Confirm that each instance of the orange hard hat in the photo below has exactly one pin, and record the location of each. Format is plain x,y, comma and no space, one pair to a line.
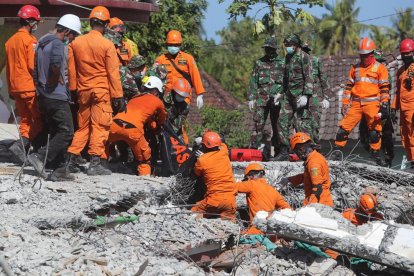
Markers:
299,138
101,13
115,21
253,167
366,46
211,139
182,87
368,203
174,37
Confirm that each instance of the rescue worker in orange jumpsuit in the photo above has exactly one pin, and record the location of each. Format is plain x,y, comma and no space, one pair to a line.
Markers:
124,52
94,74
213,166
404,99
316,177
20,56
145,109
366,94
259,194
181,65
366,211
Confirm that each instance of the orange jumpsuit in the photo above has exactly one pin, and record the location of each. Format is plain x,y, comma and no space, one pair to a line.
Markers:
359,218
220,198
129,127
94,73
260,197
186,63
124,53
365,89
20,53
316,180
404,101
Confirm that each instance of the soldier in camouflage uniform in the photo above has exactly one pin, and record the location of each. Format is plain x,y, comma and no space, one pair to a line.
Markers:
160,71
265,89
138,68
321,93
298,89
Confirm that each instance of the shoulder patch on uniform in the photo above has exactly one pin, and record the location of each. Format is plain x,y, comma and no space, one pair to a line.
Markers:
314,171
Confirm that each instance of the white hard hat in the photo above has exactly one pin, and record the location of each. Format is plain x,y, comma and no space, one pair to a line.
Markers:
71,22
154,82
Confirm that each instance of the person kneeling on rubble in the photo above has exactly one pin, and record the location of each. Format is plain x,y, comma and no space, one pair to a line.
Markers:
316,177
260,197
142,110
366,211
214,167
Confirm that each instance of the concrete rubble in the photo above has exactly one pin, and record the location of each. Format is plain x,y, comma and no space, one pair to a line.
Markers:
48,228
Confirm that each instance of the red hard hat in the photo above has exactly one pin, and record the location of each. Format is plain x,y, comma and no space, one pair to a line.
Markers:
366,46
407,45
29,11
211,139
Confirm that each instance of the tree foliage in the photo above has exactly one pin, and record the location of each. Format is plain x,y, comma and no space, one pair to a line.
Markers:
404,24
182,15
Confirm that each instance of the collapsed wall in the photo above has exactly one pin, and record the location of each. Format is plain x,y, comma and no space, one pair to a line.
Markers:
385,242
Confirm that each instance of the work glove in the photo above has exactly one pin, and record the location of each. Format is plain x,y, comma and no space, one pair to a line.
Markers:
251,105
325,104
119,105
200,101
384,109
276,99
198,153
302,101
393,115
198,140
345,108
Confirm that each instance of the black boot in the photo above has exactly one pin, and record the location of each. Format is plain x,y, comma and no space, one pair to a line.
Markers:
18,149
283,154
63,173
73,163
388,163
376,157
267,152
96,168
36,160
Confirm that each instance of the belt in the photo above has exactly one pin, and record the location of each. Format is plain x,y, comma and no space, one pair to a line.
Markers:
123,124
366,100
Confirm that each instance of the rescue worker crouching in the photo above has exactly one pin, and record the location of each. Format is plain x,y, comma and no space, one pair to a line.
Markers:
366,211
214,167
316,177
259,194
144,109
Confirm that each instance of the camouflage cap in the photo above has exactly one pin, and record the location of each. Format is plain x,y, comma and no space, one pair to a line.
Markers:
270,42
136,61
114,37
161,71
379,55
293,38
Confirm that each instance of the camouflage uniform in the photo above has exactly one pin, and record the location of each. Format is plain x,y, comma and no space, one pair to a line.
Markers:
160,71
177,113
298,81
265,83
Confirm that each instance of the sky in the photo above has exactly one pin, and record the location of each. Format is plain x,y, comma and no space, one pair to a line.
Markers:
216,17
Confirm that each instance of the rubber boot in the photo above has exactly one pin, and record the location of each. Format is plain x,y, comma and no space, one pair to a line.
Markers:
36,160
18,149
96,168
337,154
63,173
283,154
376,157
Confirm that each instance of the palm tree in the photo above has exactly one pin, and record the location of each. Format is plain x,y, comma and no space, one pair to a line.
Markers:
384,38
404,23
340,30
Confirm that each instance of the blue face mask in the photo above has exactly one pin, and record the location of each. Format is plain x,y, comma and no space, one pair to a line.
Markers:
173,50
290,50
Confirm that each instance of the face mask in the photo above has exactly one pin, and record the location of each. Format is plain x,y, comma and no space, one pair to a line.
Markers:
173,50
367,60
66,41
270,52
290,50
34,27
407,59
179,98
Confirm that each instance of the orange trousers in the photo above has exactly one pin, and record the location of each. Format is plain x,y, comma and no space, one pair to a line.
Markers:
225,207
31,121
354,116
407,132
325,199
94,121
135,139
